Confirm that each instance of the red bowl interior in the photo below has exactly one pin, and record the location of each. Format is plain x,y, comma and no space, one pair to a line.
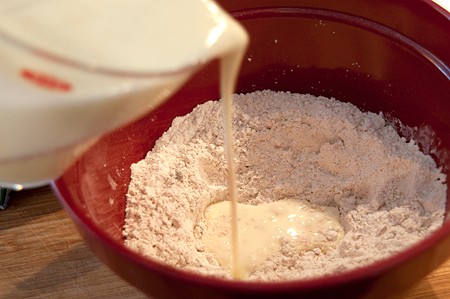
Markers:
389,56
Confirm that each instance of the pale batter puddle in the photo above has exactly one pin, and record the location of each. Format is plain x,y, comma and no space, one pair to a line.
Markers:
388,198
265,228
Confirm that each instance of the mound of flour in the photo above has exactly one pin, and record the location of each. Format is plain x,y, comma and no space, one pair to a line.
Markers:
389,194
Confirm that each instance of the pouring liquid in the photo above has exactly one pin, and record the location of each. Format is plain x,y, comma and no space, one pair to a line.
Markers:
229,70
73,70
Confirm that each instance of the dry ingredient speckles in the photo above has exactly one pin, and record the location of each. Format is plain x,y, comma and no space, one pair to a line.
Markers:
389,194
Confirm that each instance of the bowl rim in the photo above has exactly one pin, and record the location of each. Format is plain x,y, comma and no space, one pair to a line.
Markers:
357,274
362,273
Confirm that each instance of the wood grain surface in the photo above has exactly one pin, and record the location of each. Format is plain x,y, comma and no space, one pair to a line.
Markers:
42,256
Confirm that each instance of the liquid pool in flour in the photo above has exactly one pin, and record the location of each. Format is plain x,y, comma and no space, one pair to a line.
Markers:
308,151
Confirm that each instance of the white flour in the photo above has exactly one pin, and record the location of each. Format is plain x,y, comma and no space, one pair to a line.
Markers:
389,194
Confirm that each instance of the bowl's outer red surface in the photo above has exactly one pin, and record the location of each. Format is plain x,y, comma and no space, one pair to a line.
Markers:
389,56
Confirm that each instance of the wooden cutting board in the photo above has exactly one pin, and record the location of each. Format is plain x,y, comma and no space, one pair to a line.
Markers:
42,256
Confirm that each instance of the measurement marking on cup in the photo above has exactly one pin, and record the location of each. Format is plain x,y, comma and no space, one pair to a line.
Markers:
45,80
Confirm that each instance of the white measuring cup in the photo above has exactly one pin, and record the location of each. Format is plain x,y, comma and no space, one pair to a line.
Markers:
53,110
54,106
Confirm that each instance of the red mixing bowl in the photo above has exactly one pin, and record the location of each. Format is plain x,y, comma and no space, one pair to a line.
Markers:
386,55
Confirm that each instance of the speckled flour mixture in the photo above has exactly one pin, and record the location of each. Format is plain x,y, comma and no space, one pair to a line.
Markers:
389,194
